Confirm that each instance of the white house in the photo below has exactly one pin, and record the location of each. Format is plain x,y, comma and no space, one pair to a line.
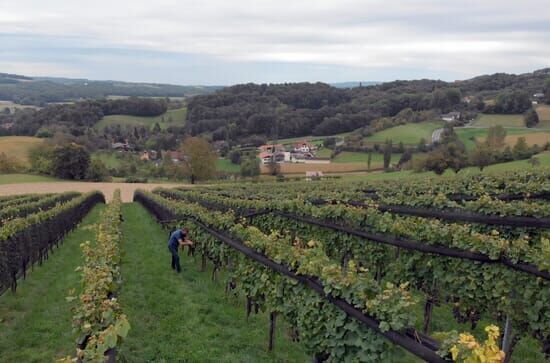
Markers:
451,116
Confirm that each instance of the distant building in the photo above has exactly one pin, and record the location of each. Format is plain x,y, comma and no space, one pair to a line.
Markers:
265,157
304,147
175,156
121,146
272,148
451,116
313,175
149,155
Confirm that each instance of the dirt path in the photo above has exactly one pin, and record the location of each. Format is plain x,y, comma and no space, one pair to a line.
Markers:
126,189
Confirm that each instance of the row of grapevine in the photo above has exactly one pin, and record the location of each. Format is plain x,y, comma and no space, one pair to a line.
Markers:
42,204
14,200
98,318
331,308
26,240
472,288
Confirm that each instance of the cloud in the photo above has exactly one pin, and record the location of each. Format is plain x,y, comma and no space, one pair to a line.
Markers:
452,39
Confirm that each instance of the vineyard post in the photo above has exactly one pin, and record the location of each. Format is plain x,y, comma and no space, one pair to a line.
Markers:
248,306
272,322
428,308
203,263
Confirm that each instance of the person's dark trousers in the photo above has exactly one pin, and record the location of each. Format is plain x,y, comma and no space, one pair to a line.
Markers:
175,258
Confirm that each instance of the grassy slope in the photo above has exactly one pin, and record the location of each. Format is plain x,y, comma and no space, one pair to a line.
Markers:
544,116
467,135
358,157
407,174
227,166
484,120
185,317
108,158
312,139
36,322
25,178
178,119
18,146
407,134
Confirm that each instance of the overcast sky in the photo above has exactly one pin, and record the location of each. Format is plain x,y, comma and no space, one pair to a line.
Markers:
225,42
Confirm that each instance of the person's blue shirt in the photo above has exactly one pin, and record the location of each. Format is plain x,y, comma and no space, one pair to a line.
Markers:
175,237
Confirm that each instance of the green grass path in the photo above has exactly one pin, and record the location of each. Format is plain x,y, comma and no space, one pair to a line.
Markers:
35,323
185,317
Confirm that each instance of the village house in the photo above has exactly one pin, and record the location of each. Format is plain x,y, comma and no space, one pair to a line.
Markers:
121,146
175,156
304,147
271,148
148,155
278,157
313,175
451,116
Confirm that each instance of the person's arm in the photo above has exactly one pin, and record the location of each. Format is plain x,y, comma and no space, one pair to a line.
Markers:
185,241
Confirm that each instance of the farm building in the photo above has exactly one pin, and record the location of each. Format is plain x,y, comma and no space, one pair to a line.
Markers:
451,116
272,148
304,147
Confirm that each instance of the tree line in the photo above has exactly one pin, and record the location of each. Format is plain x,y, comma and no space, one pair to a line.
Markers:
250,112
78,117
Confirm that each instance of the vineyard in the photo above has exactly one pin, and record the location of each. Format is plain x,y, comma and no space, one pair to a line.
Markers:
424,270
359,257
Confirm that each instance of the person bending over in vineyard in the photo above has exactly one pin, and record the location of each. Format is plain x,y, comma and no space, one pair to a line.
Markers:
178,238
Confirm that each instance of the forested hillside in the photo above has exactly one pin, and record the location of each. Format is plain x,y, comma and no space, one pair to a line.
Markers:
289,110
39,91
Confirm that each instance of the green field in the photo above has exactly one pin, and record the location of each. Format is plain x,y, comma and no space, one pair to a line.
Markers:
171,118
108,158
409,134
19,146
312,139
37,319
227,166
377,159
185,317
485,120
544,116
517,165
25,178
469,135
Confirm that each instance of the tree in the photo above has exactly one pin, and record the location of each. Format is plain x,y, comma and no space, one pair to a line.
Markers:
9,164
387,154
70,161
405,157
97,171
521,149
329,142
481,155
531,118
235,157
41,159
156,128
451,155
436,161
250,167
199,159
534,161
546,91
369,160
495,137
422,145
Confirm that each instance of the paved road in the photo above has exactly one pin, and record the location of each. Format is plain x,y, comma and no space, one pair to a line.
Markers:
126,189
436,135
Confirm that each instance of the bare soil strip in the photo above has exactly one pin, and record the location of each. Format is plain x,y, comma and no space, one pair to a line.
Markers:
126,189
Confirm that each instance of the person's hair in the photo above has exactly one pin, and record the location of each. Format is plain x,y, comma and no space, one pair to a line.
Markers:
185,229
